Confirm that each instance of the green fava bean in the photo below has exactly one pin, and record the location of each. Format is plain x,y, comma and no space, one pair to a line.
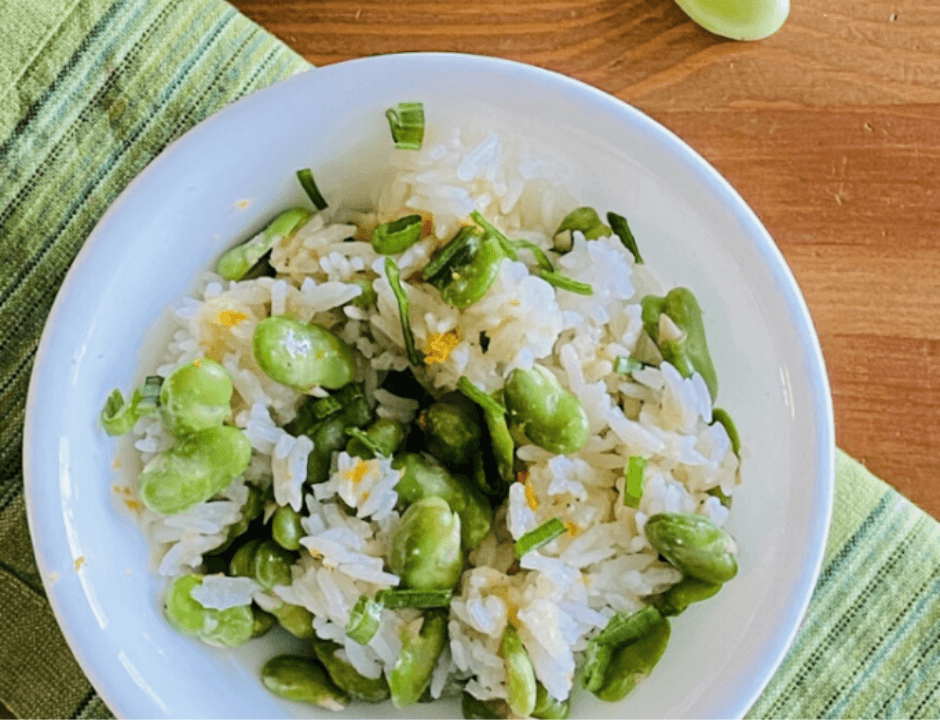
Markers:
547,414
694,545
547,707
293,677
452,431
419,653
196,468
422,478
347,678
425,551
271,565
182,611
238,261
385,435
328,436
242,562
286,529
465,269
297,620
689,353
230,627
631,663
685,592
520,675
195,397
302,355
474,709
263,622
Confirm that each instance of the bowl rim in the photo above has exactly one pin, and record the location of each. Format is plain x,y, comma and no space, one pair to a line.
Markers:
824,462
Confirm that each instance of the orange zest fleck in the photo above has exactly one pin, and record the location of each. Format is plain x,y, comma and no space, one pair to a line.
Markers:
79,563
358,472
573,529
231,318
530,497
133,505
439,346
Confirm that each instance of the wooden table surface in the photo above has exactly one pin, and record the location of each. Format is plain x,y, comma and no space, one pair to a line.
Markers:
829,129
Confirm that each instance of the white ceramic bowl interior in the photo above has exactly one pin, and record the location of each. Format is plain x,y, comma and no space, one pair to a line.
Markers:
176,217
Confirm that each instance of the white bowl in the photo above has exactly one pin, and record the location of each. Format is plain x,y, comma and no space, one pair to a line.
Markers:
174,219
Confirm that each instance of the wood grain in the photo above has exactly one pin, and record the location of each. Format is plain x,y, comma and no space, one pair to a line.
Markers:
829,129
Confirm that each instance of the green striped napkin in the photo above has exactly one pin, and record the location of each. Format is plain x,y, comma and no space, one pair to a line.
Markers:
90,92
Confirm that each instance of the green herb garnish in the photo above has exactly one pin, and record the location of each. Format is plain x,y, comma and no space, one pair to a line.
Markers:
309,185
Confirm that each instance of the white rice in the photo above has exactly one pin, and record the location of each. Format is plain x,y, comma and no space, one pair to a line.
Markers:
567,590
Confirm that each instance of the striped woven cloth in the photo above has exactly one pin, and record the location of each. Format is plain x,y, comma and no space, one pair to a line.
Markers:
90,92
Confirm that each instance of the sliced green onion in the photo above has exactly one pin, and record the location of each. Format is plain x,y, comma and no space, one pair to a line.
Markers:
119,416
407,125
587,221
479,397
363,437
309,185
625,365
633,487
622,230
398,235
149,394
720,494
394,599
364,620
541,257
451,254
542,535
504,242
721,416
563,282
404,307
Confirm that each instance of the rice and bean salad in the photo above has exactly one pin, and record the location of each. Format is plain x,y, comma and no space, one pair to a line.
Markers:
461,441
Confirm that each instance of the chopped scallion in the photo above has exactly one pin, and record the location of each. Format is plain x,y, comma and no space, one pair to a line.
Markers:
394,599
633,486
404,308
451,254
150,394
407,125
364,620
542,535
398,235
504,242
479,397
625,365
721,416
541,257
309,185
362,436
622,230
586,221
563,282
119,416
